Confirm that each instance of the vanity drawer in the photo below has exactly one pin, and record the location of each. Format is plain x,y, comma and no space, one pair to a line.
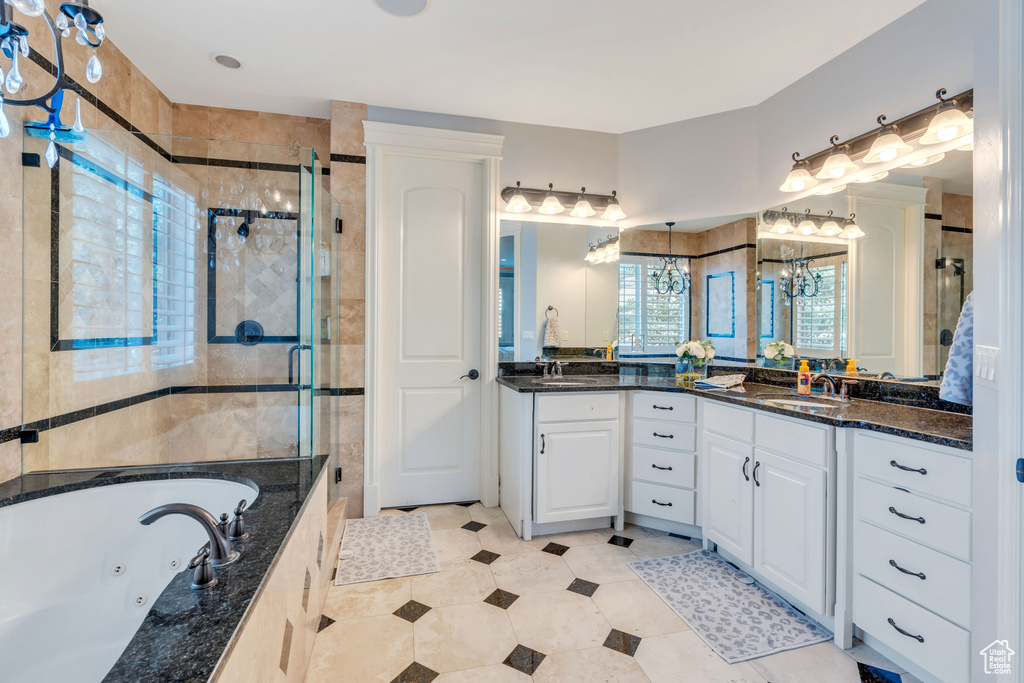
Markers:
945,528
945,650
735,423
945,588
665,467
945,476
672,435
665,406
677,505
583,406
795,440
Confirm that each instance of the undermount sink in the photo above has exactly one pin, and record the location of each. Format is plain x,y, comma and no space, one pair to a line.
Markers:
567,381
802,404
803,401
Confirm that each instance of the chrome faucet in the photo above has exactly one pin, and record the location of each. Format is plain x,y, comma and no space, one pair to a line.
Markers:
220,545
557,372
829,386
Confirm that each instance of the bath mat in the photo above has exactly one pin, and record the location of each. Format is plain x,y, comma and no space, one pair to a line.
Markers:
386,547
739,621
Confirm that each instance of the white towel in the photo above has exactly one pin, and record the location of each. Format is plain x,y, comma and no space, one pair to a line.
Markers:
552,335
957,380
720,382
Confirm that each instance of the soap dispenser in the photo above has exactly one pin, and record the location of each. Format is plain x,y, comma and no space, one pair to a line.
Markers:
803,382
851,368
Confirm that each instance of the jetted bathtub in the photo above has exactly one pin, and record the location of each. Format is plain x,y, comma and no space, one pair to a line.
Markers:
78,573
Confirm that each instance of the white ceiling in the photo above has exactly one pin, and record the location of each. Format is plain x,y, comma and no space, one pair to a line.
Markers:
602,65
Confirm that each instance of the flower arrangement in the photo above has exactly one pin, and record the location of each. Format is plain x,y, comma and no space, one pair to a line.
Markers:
779,353
692,361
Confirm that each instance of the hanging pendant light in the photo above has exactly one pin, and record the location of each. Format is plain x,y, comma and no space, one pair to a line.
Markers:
888,145
613,212
800,177
830,228
873,178
551,205
583,209
851,231
518,203
838,162
807,227
670,278
833,190
949,123
927,161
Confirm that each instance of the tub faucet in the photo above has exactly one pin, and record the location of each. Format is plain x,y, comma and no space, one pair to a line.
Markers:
220,545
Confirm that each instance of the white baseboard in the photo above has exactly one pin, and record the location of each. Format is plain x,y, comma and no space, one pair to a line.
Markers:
371,501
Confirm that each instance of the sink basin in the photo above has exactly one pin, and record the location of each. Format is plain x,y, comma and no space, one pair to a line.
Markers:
567,381
803,404
796,399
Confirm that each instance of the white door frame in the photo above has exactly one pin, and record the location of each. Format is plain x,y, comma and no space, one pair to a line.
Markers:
383,140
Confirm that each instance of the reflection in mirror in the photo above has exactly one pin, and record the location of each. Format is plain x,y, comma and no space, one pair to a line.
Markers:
889,299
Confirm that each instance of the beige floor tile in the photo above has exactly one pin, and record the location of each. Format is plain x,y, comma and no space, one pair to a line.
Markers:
634,531
683,658
457,583
821,662
501,539
558,622
445,516
487,515
601,563
662,546
369,599
632,607
531,573
498,673
463,637
455,545
575,538
358,650
391,512
596,665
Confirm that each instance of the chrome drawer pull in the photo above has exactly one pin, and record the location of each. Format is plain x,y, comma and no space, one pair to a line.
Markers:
666,505
657,407
906,571
900,514
664,436
661,468
892,623
907,469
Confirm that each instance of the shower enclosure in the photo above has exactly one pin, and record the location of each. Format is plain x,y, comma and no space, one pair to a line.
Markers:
955,265
177,302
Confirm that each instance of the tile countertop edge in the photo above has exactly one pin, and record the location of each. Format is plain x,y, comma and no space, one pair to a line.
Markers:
628,383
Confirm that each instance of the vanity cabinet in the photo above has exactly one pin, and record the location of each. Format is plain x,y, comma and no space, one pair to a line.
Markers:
576,470
767,484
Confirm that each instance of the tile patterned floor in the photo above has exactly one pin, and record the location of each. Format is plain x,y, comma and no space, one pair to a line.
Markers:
557,609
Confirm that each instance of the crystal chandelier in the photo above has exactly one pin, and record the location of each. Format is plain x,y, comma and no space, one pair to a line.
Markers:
797,280
670,278
14,44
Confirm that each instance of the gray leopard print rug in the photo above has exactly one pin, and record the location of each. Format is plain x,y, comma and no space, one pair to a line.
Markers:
386,547
738,621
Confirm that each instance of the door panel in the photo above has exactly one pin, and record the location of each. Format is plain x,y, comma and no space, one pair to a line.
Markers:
729,521
577,471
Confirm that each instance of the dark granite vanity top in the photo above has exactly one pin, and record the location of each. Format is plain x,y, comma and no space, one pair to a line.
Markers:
921,424
187,632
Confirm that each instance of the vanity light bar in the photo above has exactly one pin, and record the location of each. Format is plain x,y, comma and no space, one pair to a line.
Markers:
782,222
518,198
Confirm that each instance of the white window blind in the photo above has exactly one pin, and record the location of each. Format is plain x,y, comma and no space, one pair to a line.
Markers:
818,327
649,322
174,277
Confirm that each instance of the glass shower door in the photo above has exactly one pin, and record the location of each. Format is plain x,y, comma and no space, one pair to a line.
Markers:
309,172
955,281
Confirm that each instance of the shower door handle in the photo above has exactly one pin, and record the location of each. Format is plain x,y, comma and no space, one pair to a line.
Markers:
291,360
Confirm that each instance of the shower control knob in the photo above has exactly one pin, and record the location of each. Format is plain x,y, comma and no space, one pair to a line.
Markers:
236,530
203,577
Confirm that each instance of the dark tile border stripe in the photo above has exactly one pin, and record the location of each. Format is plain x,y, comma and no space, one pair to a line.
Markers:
348,159
933,216
950,228
694,256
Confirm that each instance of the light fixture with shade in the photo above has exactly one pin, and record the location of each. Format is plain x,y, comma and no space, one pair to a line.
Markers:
966,148
838,162
949,123
550,206
833,190
782,226
873,178
518,203
613,212
799,177
851,230
807,227
829,228
888,145
926,161
582,209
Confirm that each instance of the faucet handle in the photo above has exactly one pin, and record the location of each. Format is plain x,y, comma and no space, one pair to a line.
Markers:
202,577
844,390
236,530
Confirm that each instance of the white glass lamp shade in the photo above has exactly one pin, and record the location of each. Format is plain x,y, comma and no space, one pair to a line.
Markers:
833,190
799,179
887,147
591,256
551,205
518,203
837,165
583,209
852,231
969,147
927,161
782,226
949,123
807,227
613,212
830,229
873,178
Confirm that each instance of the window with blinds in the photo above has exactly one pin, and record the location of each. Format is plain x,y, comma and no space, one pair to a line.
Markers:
174,277
819,324
649,322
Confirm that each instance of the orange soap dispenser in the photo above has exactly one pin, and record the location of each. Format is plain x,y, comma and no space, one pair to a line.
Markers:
803,382
851,368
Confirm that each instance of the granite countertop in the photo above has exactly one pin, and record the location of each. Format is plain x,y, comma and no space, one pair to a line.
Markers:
921,424
187,632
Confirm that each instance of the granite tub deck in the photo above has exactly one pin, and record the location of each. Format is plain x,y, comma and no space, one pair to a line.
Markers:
187,633
922,424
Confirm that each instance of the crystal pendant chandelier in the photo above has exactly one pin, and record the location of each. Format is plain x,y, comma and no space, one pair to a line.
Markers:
14,44
797,279
671,277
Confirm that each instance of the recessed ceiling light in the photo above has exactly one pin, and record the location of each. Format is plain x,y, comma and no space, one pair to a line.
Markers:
226,60
403,8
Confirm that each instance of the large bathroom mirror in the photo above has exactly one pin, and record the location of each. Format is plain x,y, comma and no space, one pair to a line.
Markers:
886,293
556,297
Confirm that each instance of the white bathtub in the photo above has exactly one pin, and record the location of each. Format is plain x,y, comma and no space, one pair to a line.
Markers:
65,615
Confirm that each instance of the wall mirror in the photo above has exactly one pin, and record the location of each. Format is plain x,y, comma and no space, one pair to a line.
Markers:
884,288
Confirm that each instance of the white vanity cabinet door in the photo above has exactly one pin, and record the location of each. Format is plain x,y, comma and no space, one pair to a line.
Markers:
789,520
576,470
727,489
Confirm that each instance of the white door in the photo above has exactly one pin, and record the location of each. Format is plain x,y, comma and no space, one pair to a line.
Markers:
432,228
577,468
789,527
728,467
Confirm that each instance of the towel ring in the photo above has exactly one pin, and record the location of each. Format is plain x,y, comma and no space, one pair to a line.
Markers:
551,308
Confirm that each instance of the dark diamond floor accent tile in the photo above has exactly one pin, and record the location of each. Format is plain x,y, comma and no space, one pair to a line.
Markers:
583,587
325,621
872,674
473,526
502,599
411,611
416,673
685,538
623,642
405,509
468,503
485,556
524,659
556,549
621,541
